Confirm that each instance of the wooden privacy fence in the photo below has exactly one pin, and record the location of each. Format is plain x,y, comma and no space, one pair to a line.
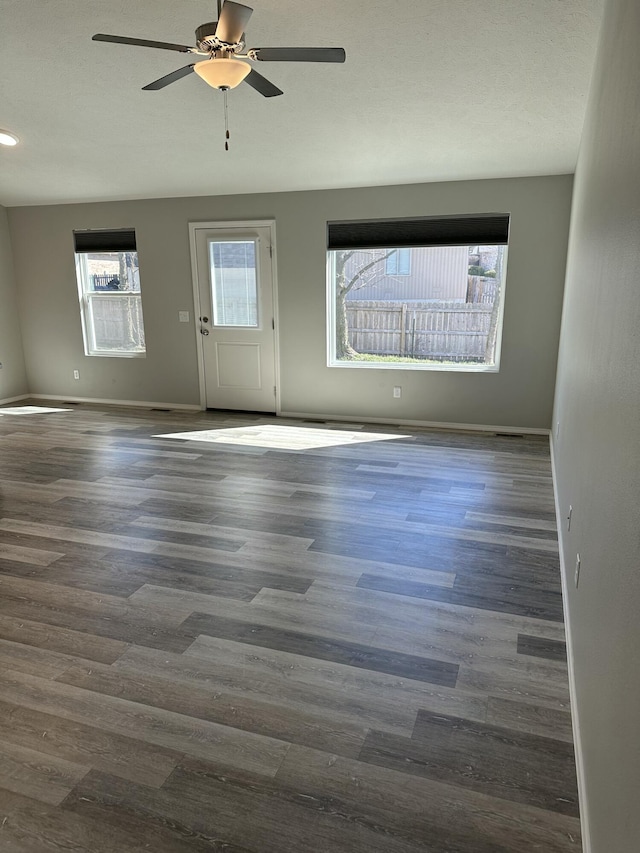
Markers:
481,289
452,331
117,321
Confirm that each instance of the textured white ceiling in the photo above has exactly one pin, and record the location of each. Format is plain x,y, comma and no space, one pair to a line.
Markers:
431,90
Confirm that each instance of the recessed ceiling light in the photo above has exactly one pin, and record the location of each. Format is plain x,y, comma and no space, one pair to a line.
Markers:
7,138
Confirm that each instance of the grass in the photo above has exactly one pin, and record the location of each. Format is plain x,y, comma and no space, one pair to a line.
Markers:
387,359
393,359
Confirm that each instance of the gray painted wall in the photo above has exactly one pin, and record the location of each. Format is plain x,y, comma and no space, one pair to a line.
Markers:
13,379
598,451
521,394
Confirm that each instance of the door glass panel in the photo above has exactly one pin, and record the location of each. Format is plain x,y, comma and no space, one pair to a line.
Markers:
234,286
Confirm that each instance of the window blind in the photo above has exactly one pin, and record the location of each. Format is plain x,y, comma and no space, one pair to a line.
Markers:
119,240
491,229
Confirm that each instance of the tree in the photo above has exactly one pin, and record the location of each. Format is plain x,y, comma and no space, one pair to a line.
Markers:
359,276
128,263
495,311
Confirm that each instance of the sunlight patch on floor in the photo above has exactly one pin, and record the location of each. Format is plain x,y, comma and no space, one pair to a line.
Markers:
281,437
30,410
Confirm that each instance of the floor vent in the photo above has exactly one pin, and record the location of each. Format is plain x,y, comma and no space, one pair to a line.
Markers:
160,410
509,435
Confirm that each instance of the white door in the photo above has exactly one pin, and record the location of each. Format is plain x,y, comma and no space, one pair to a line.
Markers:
236,320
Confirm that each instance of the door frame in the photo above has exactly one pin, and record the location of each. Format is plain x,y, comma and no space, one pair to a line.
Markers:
194,227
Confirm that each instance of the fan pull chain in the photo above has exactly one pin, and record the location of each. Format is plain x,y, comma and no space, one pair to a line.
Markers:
226,122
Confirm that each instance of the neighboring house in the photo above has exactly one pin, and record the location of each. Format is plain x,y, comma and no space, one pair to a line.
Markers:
438,273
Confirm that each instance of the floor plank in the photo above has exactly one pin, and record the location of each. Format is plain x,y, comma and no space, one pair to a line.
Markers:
541,648
509,765
37,774
167,729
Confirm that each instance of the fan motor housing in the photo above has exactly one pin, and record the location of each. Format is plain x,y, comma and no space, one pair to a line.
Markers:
207,41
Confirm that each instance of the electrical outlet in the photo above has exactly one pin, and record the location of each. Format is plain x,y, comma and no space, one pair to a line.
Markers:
577,570
76,374
397,391
569,518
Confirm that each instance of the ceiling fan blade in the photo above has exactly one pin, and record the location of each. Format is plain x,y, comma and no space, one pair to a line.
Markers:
298,54
163,45
233,19
262,85
161,82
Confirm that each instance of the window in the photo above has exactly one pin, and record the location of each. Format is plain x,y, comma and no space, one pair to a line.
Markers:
399,262
109,290
417,293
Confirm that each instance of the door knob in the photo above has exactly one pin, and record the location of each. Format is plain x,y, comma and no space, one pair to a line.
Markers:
204,332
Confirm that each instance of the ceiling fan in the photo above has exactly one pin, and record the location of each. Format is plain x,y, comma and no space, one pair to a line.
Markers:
222,41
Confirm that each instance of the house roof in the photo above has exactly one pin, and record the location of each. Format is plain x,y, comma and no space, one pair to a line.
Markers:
430,91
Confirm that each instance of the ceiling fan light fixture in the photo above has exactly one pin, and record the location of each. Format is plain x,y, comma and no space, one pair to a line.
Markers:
7,138
222,72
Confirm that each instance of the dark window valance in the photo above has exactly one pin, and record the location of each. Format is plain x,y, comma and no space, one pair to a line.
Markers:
119,240
491,229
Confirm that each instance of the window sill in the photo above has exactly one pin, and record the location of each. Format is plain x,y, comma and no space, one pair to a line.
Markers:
440,368
116,354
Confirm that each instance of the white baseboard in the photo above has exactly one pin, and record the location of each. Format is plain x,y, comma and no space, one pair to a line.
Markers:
194,407
575,715
134,404
509,430
17,399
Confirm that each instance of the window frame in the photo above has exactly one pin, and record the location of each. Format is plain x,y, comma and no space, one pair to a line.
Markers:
443,367
86,297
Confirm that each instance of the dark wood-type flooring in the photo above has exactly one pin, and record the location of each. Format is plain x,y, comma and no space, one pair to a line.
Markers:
278,636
